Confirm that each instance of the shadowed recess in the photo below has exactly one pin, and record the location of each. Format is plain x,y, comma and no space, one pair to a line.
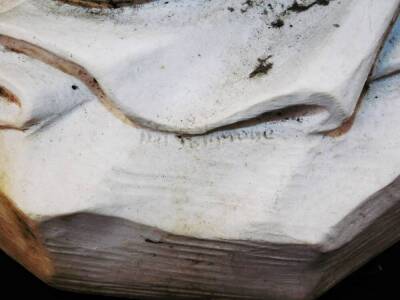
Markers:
9,96
105,3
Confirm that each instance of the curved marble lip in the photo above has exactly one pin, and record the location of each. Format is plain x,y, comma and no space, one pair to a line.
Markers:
195,67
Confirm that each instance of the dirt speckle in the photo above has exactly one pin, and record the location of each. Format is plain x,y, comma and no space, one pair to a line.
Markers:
263,67
278,23
246,5
296,7
20,238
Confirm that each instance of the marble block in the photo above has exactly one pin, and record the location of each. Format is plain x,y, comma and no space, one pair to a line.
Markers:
199,149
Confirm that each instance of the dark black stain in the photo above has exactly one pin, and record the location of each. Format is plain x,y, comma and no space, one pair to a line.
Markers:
107,3
246,5
263,67
296,7
152,242
278,23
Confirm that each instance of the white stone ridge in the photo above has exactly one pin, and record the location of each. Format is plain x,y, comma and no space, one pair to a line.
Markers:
202,55
388,62
269,182
42,93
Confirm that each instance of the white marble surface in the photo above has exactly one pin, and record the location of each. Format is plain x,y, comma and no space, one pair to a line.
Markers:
202,54
43,93
268,182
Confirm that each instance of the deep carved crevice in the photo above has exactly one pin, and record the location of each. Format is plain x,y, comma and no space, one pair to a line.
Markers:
66,66
9,96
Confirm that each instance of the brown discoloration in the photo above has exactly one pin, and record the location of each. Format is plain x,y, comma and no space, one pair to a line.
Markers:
344,128
20,239
9,96
105,3
347,124
66,66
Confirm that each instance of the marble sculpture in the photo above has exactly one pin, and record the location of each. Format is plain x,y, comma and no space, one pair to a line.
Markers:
194,149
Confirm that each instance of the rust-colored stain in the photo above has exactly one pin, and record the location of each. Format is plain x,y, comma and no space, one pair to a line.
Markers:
348,124
68,67
9,96
20,239
343,129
